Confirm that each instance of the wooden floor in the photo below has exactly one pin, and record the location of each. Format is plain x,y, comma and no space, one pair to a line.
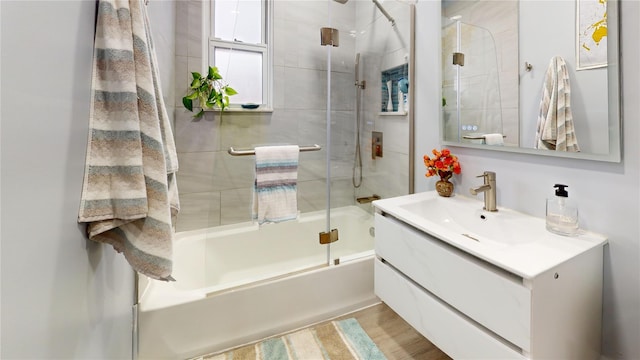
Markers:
394,336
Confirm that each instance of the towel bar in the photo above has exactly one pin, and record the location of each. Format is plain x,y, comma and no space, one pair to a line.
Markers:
234,152
477,137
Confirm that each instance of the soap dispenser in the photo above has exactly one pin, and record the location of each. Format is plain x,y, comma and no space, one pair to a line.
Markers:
562,216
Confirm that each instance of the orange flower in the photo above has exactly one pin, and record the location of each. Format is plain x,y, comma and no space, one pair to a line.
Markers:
443,164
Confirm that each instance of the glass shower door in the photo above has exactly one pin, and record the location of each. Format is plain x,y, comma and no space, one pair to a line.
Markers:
373,44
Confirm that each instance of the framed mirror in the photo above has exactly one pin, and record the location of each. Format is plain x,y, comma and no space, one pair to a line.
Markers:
550,88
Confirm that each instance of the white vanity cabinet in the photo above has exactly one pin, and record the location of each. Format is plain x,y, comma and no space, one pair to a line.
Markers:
472,307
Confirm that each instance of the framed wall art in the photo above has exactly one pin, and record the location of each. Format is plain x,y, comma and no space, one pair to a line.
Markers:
591,39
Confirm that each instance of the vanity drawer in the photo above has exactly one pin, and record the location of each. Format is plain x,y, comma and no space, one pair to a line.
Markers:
448,330
488,295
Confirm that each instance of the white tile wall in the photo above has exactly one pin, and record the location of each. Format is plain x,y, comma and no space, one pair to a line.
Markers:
198,210
196,135
216,188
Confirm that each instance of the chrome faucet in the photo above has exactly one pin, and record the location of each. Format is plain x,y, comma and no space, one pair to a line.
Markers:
489,190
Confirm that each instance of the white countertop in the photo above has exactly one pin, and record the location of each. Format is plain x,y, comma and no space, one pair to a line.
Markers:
527,259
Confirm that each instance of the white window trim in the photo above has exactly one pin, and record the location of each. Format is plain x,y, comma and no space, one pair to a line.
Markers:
266,48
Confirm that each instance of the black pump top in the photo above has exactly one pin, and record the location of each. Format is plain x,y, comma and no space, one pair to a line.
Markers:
560,191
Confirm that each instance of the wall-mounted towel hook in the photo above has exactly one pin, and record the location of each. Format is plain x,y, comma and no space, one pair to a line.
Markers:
527,67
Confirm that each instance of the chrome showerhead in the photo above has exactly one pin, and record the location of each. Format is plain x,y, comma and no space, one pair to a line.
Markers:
341,1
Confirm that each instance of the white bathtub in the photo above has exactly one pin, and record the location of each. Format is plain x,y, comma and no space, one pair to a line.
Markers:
237,284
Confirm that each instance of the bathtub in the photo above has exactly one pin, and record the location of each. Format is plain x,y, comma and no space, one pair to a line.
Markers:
240,283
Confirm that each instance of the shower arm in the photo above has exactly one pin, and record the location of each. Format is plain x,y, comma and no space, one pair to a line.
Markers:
384,12
379,6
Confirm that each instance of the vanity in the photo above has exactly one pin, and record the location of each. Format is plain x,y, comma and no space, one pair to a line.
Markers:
492,285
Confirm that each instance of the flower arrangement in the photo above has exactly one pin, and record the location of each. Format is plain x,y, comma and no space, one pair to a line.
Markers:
443,164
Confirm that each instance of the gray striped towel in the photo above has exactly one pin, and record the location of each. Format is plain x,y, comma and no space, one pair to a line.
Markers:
129,196
275,188
555,129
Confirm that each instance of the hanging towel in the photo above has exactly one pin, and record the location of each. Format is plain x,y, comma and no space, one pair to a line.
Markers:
555,123
129,195
275,187
493,139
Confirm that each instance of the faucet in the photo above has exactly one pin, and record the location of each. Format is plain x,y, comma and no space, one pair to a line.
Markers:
489,190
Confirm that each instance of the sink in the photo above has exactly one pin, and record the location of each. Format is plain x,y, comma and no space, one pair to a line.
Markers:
463,216
466,217
511,240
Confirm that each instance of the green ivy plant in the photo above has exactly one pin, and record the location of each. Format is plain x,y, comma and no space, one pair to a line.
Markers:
210,91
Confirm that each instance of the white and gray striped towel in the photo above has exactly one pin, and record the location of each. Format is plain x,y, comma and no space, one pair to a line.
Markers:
129,196
555,129
275,187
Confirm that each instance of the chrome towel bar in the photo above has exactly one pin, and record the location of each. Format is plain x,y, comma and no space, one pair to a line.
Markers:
477,137
234,152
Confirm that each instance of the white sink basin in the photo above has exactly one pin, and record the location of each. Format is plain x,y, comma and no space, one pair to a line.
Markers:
514,241
466,217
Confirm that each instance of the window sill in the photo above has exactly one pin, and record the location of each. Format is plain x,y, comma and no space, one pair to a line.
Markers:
264,110
393,113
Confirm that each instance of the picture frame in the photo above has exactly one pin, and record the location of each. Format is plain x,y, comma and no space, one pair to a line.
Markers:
591,34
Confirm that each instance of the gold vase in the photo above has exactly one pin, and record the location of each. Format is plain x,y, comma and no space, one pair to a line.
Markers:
444,187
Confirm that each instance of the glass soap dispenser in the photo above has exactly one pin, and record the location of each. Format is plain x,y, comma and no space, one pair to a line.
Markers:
562,216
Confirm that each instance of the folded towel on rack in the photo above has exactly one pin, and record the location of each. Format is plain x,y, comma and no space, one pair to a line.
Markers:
493,139
555,130
275,187
129,195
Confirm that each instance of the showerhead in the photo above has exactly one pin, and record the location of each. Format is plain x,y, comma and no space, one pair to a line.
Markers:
341,1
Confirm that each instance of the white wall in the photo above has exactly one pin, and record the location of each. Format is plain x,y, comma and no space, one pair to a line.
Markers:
538,44
62,296
608,194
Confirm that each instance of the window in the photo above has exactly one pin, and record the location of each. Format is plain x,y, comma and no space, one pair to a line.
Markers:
239,46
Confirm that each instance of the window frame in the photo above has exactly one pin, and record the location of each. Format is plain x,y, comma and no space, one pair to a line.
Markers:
265,48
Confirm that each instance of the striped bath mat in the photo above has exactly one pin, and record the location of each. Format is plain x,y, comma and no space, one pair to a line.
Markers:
336,340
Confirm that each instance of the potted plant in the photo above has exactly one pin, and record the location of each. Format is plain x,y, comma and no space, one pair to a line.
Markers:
210,91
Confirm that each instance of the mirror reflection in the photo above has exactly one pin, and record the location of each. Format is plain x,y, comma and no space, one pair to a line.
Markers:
480,67
549,87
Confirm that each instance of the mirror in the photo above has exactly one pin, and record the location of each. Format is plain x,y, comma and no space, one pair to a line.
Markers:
494,79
